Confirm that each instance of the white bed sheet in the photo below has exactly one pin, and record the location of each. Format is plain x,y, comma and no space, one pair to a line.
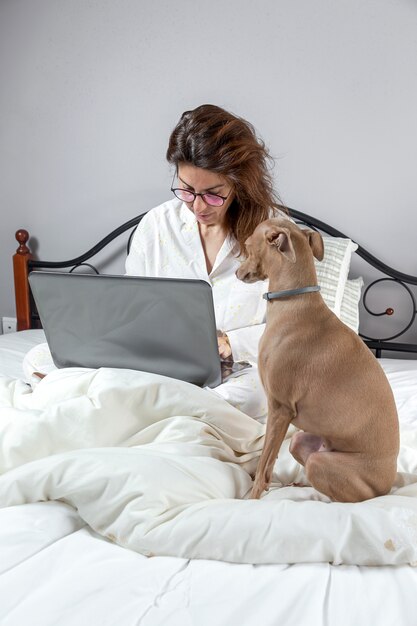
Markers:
54,569
13,348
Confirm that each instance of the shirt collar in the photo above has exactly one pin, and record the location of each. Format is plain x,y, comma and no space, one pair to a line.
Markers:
186,215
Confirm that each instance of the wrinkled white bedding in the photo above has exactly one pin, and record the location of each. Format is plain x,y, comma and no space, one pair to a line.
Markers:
163,468
13,348
56,571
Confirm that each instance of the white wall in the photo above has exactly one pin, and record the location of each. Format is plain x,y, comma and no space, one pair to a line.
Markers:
90,90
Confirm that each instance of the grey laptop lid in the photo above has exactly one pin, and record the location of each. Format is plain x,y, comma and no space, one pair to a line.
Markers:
160,325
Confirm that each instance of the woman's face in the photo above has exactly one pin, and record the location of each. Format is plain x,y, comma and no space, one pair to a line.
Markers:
196,179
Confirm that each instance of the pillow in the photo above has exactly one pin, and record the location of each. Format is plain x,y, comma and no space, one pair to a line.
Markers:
349,311
332,271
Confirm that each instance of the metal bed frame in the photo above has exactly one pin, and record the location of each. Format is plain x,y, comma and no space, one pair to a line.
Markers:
24,263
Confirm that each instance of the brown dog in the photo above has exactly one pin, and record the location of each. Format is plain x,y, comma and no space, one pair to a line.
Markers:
318,375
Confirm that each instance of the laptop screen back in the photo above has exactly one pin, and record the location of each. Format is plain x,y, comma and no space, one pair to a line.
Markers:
160,325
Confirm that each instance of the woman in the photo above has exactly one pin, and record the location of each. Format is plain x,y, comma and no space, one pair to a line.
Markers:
223,190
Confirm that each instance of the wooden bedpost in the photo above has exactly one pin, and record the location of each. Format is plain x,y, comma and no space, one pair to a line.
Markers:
21,284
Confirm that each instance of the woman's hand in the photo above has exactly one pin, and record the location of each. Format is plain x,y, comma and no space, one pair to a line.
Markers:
225,350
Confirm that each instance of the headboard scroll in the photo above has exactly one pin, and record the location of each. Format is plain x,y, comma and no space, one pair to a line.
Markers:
390,311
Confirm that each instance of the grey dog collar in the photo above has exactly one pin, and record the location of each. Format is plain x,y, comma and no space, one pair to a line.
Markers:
273,295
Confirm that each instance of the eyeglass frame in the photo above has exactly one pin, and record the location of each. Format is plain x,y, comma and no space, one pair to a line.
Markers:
195,194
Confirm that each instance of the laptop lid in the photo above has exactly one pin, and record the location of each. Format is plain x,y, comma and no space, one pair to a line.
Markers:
160,325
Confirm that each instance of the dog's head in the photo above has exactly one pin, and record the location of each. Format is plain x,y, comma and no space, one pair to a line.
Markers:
277,240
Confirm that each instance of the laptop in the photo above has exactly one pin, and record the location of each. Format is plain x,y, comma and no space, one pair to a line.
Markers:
160,325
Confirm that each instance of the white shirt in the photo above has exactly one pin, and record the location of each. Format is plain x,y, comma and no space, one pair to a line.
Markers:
167,244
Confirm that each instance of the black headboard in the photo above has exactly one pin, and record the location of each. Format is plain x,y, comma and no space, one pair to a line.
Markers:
379,344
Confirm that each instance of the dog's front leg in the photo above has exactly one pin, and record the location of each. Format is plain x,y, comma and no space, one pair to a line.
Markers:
279,418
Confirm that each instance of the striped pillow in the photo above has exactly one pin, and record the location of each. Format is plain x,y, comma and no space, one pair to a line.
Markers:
349,311
332,271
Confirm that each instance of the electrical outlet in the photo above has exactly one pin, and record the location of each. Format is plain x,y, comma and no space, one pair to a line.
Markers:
8,325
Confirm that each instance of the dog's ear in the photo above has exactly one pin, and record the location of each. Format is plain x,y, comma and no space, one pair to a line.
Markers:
316,243
281,238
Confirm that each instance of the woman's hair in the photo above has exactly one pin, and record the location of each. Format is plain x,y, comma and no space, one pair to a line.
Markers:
213,139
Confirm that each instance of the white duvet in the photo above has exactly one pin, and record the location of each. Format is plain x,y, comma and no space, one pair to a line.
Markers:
164,468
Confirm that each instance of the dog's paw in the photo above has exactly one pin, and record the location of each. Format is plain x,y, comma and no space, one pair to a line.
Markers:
258,488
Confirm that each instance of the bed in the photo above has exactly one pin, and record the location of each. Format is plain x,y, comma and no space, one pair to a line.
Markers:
123,495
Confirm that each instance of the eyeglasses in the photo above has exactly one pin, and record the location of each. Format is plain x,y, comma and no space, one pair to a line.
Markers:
212,199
